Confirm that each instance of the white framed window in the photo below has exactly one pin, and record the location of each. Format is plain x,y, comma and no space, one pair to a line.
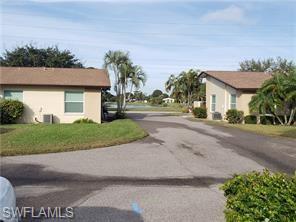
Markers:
74,101
13,94
233,101
213,103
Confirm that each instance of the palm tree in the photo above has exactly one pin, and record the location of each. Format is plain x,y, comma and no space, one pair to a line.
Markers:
136,78
170,83
184,86
277,96
126,70
290,88
191,84
114,60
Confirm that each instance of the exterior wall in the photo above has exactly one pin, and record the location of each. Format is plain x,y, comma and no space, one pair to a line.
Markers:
216,87
93,104
243,102
223,96
39,100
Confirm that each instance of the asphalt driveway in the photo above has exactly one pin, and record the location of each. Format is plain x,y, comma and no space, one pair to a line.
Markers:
172,175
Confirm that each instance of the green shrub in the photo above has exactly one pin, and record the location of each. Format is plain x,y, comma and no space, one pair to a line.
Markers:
250,119
200,112
262,197
120,115
234,116
84,120
156,100
185,109
11,111
266,120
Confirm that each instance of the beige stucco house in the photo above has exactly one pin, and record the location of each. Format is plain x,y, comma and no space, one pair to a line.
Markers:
230,90
65,94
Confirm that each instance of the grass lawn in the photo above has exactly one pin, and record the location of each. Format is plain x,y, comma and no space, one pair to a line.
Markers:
136,106
270,130
21,139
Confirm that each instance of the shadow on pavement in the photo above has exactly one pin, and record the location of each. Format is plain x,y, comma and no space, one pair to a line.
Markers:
77,187
93,214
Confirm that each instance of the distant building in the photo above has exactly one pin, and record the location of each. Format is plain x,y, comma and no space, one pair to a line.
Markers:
168,100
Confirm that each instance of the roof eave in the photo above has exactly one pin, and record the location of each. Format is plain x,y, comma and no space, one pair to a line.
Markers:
207,74
56,85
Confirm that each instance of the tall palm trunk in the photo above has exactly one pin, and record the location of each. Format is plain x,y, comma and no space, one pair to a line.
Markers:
129,96
124,83
279,119
292,114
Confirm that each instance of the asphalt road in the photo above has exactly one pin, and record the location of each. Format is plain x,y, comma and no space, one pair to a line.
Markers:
172,175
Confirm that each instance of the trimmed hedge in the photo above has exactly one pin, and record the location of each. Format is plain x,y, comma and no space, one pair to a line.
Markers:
250,119
200,112
10,111
262,197
234,116
84,120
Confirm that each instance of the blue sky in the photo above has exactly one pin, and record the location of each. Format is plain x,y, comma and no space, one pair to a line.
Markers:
163,36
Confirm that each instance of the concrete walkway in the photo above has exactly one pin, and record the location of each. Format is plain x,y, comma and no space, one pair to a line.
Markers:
172,175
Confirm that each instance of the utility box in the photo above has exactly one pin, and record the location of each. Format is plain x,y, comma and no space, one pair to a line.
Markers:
48,118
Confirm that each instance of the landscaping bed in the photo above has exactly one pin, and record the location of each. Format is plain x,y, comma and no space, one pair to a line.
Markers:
22,139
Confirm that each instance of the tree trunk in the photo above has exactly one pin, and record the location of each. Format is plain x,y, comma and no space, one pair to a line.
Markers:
117,88
124,93
285,118
188,98
129,96
292,114
258,119
279,119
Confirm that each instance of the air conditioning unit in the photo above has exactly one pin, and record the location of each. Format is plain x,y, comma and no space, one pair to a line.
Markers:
48,118
216,116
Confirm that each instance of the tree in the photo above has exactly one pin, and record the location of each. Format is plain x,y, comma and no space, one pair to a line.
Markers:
156,93
113,61
277,97
31,56
139,96
136,78
273,65
107,96
125,72
184,87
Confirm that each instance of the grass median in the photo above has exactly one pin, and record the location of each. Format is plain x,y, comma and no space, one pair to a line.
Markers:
22,139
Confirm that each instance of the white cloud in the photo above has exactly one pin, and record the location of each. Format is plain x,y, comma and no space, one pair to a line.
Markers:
233,14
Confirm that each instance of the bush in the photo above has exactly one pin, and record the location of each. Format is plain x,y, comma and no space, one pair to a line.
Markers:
120,115
84,120
250,119
200,112
185,109
234,116
266,120
156,100
11,111
259,196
